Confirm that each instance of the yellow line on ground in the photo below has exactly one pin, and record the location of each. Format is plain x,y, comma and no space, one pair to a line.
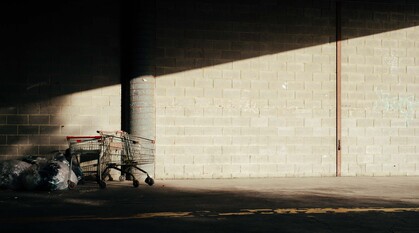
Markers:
343,210
163,214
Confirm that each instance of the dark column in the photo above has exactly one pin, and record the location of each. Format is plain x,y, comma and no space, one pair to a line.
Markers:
138,39
137,65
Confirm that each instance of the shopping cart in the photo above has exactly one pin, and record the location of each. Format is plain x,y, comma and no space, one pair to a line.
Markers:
125,153
84,151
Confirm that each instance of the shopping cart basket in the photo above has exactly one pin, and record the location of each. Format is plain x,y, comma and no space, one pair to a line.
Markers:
125,153
84,150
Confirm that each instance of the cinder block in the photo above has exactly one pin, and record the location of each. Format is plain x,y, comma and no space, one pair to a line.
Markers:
204,102
413,52
79,100
165,82
321,77
16,140
33,108
364,123
231,74
204,83
327,169
184,159
222,140
194,92
213,169
373,42
21,130
365,158
398,140
175,111
286,170
25,150
222,83
102,100
214,131
405,168
67,130
235,111
375,169
39,140
194,171
189,131
248,170
407,149
258,159
3,140
3,119
202,121
193,112
381,140
286,131
84,110
174,170
268,131
414,70
409,132
249,75
373,149
213,74
356,150
303,170
259,122
356,132
213,93
175,92
17,119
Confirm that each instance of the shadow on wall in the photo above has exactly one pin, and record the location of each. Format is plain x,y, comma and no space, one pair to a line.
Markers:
56,49
59,62
53,51
191,35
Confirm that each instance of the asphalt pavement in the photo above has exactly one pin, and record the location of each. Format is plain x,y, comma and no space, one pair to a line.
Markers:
328,204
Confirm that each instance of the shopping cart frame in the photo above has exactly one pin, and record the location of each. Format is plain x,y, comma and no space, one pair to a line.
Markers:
127,162
79,145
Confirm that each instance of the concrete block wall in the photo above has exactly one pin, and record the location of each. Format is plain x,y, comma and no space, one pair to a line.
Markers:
60,74
242,88
245,89
379,90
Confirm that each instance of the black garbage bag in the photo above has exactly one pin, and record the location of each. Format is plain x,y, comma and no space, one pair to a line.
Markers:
30,179
36,173
11,172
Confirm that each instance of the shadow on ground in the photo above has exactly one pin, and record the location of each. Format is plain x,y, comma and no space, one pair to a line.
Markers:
162,208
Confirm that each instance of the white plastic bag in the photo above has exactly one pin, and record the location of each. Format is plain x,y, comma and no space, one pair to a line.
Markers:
56,175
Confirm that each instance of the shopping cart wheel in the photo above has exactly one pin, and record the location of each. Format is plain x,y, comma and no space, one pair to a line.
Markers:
71,185
121,178
149,181
136,183
102,184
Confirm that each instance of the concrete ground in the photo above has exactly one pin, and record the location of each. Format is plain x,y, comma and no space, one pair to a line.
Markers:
346,204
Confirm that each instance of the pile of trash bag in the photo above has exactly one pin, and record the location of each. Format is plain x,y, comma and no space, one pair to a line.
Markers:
39,173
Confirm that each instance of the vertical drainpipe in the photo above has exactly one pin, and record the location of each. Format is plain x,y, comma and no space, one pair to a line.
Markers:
338,89
138,69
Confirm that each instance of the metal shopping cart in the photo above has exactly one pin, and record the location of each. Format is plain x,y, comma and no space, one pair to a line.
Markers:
125,153
84,151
